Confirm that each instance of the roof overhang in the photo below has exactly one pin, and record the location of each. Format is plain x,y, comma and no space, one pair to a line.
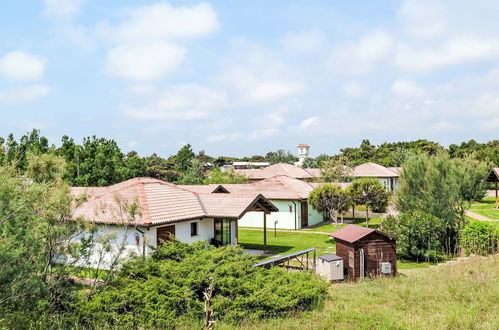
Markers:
493,175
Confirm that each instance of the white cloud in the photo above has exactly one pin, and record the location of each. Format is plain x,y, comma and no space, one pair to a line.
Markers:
272,90
408,89
308,122
21,95
264,133
304,42
453,52
21,66
144,61
161,21
422,18
360,57
181,102
61,8
353,89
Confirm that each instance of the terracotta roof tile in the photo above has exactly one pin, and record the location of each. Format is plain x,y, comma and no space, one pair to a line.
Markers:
372,170
276,169
353,233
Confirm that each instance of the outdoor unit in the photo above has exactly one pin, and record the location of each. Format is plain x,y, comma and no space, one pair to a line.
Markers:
386,268
330,267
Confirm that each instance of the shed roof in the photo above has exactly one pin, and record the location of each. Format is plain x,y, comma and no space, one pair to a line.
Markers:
353,233
330,257
373,170
160,202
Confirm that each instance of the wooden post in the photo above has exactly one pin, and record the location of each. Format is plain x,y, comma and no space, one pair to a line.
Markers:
264,231
497,197
237,232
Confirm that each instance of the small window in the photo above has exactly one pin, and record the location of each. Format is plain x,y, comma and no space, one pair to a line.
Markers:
194,228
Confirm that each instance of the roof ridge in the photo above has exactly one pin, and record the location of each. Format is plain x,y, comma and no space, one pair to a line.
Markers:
205,212
146,213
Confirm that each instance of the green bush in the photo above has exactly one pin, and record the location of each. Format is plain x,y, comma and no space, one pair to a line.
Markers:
417,233
479,238
156,292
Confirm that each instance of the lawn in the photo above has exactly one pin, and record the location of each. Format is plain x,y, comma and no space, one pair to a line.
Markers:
482,207
373,223
461,295
491,214
286,242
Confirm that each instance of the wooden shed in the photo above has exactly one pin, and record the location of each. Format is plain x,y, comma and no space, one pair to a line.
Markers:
366,252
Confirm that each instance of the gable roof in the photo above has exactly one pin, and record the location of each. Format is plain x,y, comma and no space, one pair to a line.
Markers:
279,187
373,170
353,233
160,202
493,175
276,169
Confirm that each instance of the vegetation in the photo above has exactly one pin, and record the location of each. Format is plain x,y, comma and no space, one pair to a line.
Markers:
336,169
281,156
443,187
155,292
369,192
224,177
330,200
418,235
461,295
479,238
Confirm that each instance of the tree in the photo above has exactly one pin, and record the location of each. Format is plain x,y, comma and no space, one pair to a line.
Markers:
330,200
160,168
230,176
369,192
418,234
442,187
194,174
183,158
281,156
337,169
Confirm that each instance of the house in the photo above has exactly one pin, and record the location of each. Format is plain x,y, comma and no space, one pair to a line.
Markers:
278,169
366,252
288,194
493,176
388,176
163,210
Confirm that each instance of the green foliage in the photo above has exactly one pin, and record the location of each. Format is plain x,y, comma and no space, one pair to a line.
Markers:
155,292
371,193
281,156
329,199
443,187
418,234
479,238
160,168
336,169
183,158
221,177
194,174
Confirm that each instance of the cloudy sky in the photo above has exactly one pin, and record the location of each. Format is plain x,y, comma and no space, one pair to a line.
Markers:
246,77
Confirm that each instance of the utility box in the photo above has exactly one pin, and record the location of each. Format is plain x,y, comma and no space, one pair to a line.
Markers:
330,267
386,268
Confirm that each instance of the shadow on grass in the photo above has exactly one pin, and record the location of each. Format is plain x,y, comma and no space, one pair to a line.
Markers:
275,249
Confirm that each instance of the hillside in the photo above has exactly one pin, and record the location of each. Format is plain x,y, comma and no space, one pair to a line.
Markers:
461,295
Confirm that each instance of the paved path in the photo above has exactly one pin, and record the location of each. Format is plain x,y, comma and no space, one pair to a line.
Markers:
476,216
288,231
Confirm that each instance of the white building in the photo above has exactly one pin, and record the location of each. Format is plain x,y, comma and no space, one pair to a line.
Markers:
303,152
388,176
162,210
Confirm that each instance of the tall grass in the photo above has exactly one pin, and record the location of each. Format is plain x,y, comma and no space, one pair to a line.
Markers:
461,295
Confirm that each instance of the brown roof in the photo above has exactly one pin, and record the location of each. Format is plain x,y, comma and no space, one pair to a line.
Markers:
280,187
493,175
276,169
159,202
303,145
397,170
373,170
353,233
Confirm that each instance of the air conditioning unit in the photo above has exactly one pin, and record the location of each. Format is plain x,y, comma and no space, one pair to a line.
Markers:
386,268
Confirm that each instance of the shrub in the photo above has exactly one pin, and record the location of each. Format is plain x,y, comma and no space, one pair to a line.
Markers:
479,238
156,292
417,233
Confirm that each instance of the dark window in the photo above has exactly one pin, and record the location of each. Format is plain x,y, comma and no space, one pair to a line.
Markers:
194,228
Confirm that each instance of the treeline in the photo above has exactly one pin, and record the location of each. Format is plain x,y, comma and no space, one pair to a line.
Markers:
101,162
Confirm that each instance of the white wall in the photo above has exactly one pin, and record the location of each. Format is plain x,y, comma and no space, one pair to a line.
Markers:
183,231
285,218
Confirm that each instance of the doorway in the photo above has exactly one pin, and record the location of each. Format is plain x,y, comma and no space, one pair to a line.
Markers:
164,234
304,214
223,228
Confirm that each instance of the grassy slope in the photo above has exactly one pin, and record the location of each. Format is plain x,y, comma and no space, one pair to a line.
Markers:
463,295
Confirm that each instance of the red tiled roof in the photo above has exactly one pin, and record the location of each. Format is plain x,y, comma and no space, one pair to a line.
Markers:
276,169
280,187
303,146
159,202
373,170
353,233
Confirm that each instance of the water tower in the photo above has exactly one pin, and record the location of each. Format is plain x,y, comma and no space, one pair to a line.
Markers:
303,151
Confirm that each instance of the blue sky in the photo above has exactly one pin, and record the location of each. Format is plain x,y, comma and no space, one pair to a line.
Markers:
247,77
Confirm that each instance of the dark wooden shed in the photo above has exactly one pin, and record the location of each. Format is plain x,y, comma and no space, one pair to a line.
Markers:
366,252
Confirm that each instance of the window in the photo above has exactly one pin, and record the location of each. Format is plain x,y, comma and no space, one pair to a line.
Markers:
194,228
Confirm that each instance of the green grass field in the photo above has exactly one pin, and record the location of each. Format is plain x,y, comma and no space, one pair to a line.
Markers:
491,214
331,228
482,207
462,295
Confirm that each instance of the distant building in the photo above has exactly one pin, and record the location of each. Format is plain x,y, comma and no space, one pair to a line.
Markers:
279,169
388,176
244,165
303,152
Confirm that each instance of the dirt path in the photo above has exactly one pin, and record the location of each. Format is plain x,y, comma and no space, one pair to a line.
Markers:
479,217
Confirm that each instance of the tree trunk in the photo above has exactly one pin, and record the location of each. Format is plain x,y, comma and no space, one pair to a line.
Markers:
367,216
353,212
